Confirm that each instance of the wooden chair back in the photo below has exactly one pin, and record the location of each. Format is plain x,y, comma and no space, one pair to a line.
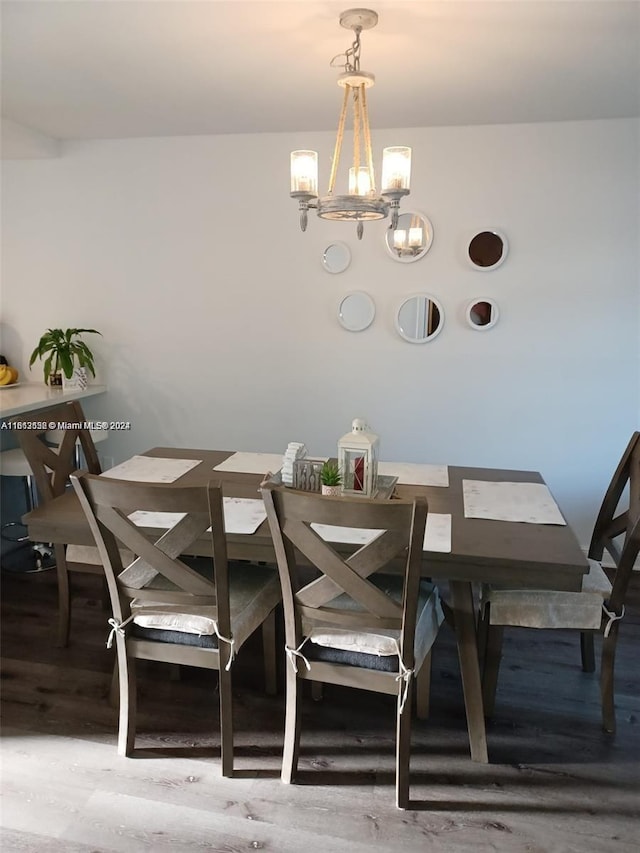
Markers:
52,468
617,527
157,573
397,528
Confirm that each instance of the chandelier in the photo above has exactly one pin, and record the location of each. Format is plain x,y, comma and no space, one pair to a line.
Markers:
362,202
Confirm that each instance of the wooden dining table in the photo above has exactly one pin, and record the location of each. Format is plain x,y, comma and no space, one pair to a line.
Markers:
512,554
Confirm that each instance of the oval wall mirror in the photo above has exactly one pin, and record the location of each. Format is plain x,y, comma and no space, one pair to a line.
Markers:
356,311
487,250
336,257
482,314
419,319
411,240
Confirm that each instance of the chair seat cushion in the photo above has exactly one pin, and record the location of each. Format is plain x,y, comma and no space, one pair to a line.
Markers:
529,608
253,593
377,648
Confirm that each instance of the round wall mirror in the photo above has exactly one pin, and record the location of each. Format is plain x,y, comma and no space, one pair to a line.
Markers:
482,314
356,311
336,257
487,250
419,319
412,238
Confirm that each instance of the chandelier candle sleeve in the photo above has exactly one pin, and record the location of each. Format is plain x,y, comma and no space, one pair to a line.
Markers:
399,239
304,173
415,238
359,181
396,170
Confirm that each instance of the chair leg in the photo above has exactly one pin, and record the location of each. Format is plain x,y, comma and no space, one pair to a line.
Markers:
291,726
423,689
492,656
403,749
64,596
481,634
269,654
114,686
128,699
226,720
587,652
606,679
105,598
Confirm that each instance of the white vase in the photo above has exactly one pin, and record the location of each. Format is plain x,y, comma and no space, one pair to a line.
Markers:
78,380
332,491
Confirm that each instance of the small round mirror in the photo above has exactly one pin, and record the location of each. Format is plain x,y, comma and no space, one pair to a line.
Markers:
336,257
482,314
411,239
487,250
356,311
419,319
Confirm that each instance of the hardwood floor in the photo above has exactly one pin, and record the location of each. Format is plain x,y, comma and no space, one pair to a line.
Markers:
556,781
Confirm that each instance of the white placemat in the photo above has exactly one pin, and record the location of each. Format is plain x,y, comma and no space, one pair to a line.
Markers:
437,535
251,463
241,515
529,502
416,474
150,469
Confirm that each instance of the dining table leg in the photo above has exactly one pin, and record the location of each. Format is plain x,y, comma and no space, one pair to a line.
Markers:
465,626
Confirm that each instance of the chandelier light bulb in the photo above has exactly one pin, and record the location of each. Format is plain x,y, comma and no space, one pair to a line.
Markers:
359,181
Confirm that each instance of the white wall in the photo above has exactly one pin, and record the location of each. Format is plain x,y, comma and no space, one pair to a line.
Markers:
220,323
23,143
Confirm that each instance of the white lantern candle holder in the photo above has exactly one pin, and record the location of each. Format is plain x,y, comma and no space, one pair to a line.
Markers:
358,460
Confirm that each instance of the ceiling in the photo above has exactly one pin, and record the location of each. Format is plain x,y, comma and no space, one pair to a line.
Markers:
127,68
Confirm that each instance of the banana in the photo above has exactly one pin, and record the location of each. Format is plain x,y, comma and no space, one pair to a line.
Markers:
8,374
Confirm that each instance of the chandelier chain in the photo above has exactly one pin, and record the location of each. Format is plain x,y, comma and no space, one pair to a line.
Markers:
351,57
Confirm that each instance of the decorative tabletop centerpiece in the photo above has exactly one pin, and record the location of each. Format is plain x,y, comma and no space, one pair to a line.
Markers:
331,479
358,460
67,357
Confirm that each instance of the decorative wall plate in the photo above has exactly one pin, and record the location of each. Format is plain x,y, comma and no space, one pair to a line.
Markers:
482,314
487,250
336,257
356,311
420,318
412,238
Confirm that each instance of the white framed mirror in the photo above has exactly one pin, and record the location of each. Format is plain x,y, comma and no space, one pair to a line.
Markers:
336,257
412,238
356,311
482,314
487,250
419,318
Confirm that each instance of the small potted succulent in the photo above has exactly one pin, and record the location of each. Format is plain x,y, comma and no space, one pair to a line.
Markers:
331,479
65,354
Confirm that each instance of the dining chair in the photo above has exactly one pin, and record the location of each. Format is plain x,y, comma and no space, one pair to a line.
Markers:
166,610
52,467
353,625
600,605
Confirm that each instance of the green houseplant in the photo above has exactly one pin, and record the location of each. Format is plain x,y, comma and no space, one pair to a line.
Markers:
64,350
331,479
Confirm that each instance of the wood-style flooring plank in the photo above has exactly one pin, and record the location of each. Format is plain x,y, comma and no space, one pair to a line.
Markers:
556,782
